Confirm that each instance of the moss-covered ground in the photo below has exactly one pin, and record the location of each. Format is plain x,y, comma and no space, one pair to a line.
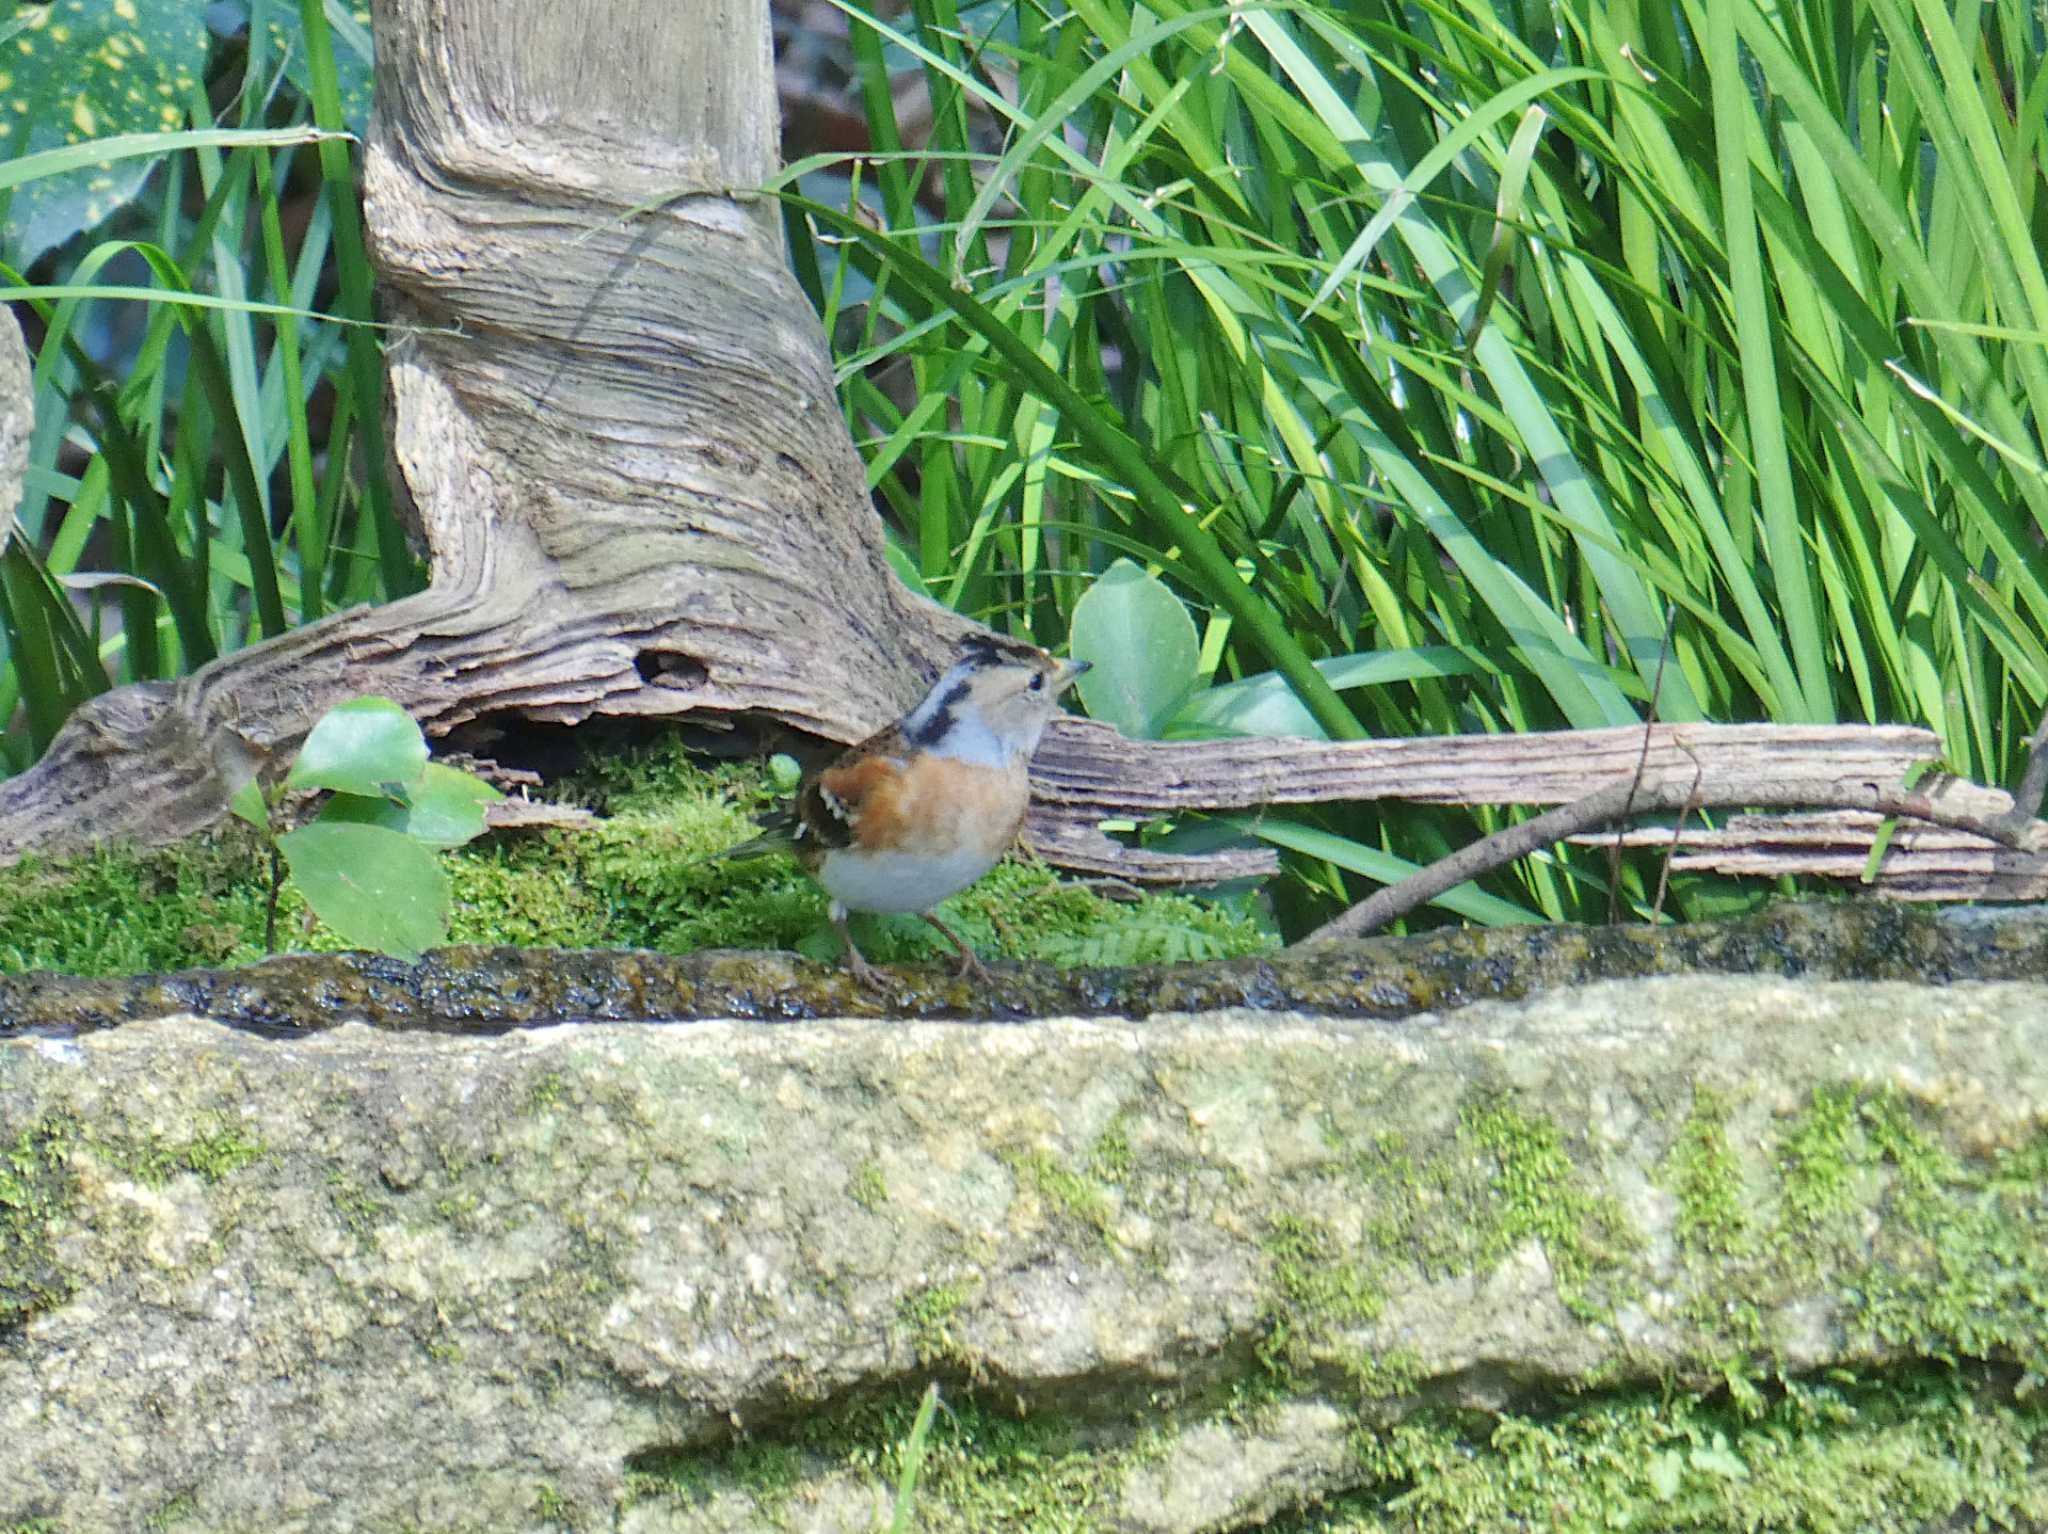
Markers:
642,877
1902,1450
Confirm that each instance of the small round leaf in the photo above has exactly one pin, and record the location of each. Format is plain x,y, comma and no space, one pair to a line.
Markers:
444,809
361,747
248,802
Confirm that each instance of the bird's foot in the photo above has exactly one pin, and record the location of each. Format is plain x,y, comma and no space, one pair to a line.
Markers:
864,973
970,964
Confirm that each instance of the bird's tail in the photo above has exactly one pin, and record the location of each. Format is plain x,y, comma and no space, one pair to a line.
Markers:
778,834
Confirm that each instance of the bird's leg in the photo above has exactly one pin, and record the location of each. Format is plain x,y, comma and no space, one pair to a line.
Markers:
863,971
970,964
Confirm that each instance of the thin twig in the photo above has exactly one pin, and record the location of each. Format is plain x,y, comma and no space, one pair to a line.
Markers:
270,907
1642,764
1624,797
2026,799
1692,802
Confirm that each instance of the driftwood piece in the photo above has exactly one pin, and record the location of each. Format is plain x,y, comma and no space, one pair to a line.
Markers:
637,496
1923,862
1947,801
17,419
1086,773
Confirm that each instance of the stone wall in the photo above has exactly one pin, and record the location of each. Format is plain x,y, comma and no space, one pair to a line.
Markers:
1208,1268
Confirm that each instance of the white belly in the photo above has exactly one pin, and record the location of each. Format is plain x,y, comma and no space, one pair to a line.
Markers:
900,881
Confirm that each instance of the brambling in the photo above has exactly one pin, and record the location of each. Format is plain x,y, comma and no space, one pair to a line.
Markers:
927,805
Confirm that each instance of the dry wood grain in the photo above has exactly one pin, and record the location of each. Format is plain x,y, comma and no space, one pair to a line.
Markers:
1922,862
1086,774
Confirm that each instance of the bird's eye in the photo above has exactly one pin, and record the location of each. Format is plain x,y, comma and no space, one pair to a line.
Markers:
1038,681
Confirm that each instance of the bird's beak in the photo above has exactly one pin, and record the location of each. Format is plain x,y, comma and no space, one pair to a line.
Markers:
1070,670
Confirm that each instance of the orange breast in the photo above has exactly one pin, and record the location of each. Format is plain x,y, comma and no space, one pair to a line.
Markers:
937,806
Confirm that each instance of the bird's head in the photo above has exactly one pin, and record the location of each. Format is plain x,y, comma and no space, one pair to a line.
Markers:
993,702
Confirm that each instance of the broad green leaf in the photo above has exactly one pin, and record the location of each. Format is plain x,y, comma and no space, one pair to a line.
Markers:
354,57
1142,648
444,809
363,746
79,72
447,806
377,888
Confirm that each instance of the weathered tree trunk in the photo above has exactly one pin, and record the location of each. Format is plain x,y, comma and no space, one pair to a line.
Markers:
619,431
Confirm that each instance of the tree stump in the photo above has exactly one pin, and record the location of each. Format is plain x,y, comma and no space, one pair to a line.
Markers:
616,424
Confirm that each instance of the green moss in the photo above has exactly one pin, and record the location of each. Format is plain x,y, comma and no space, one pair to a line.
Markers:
35,1190
1935,1254
1971,1278
1537,1191
927,1317
1386,1376
867,1187
180,1509
1833,1457
1510,1179
1823,1159
764,1470
1321,1291
36,1184
644,878
1312,1274
1893,1452
550,1506
221,1148
1110,1158
115,911
1715,1211
359,1210
983,1468
1074,1194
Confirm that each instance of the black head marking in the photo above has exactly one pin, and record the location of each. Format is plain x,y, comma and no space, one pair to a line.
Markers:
934,721
984,648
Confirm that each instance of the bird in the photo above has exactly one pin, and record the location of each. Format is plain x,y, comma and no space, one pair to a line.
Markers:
925,806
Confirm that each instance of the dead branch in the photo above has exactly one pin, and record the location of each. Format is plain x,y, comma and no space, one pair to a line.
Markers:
1951,803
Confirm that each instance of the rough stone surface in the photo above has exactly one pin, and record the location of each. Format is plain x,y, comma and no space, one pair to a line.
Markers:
563,1276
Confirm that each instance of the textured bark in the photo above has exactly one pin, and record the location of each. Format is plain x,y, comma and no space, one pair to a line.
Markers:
618,429
1086,774
17,419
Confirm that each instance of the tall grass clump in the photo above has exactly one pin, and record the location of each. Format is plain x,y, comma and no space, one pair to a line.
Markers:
1504,368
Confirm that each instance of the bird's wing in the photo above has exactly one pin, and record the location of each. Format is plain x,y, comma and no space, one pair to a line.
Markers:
830,803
